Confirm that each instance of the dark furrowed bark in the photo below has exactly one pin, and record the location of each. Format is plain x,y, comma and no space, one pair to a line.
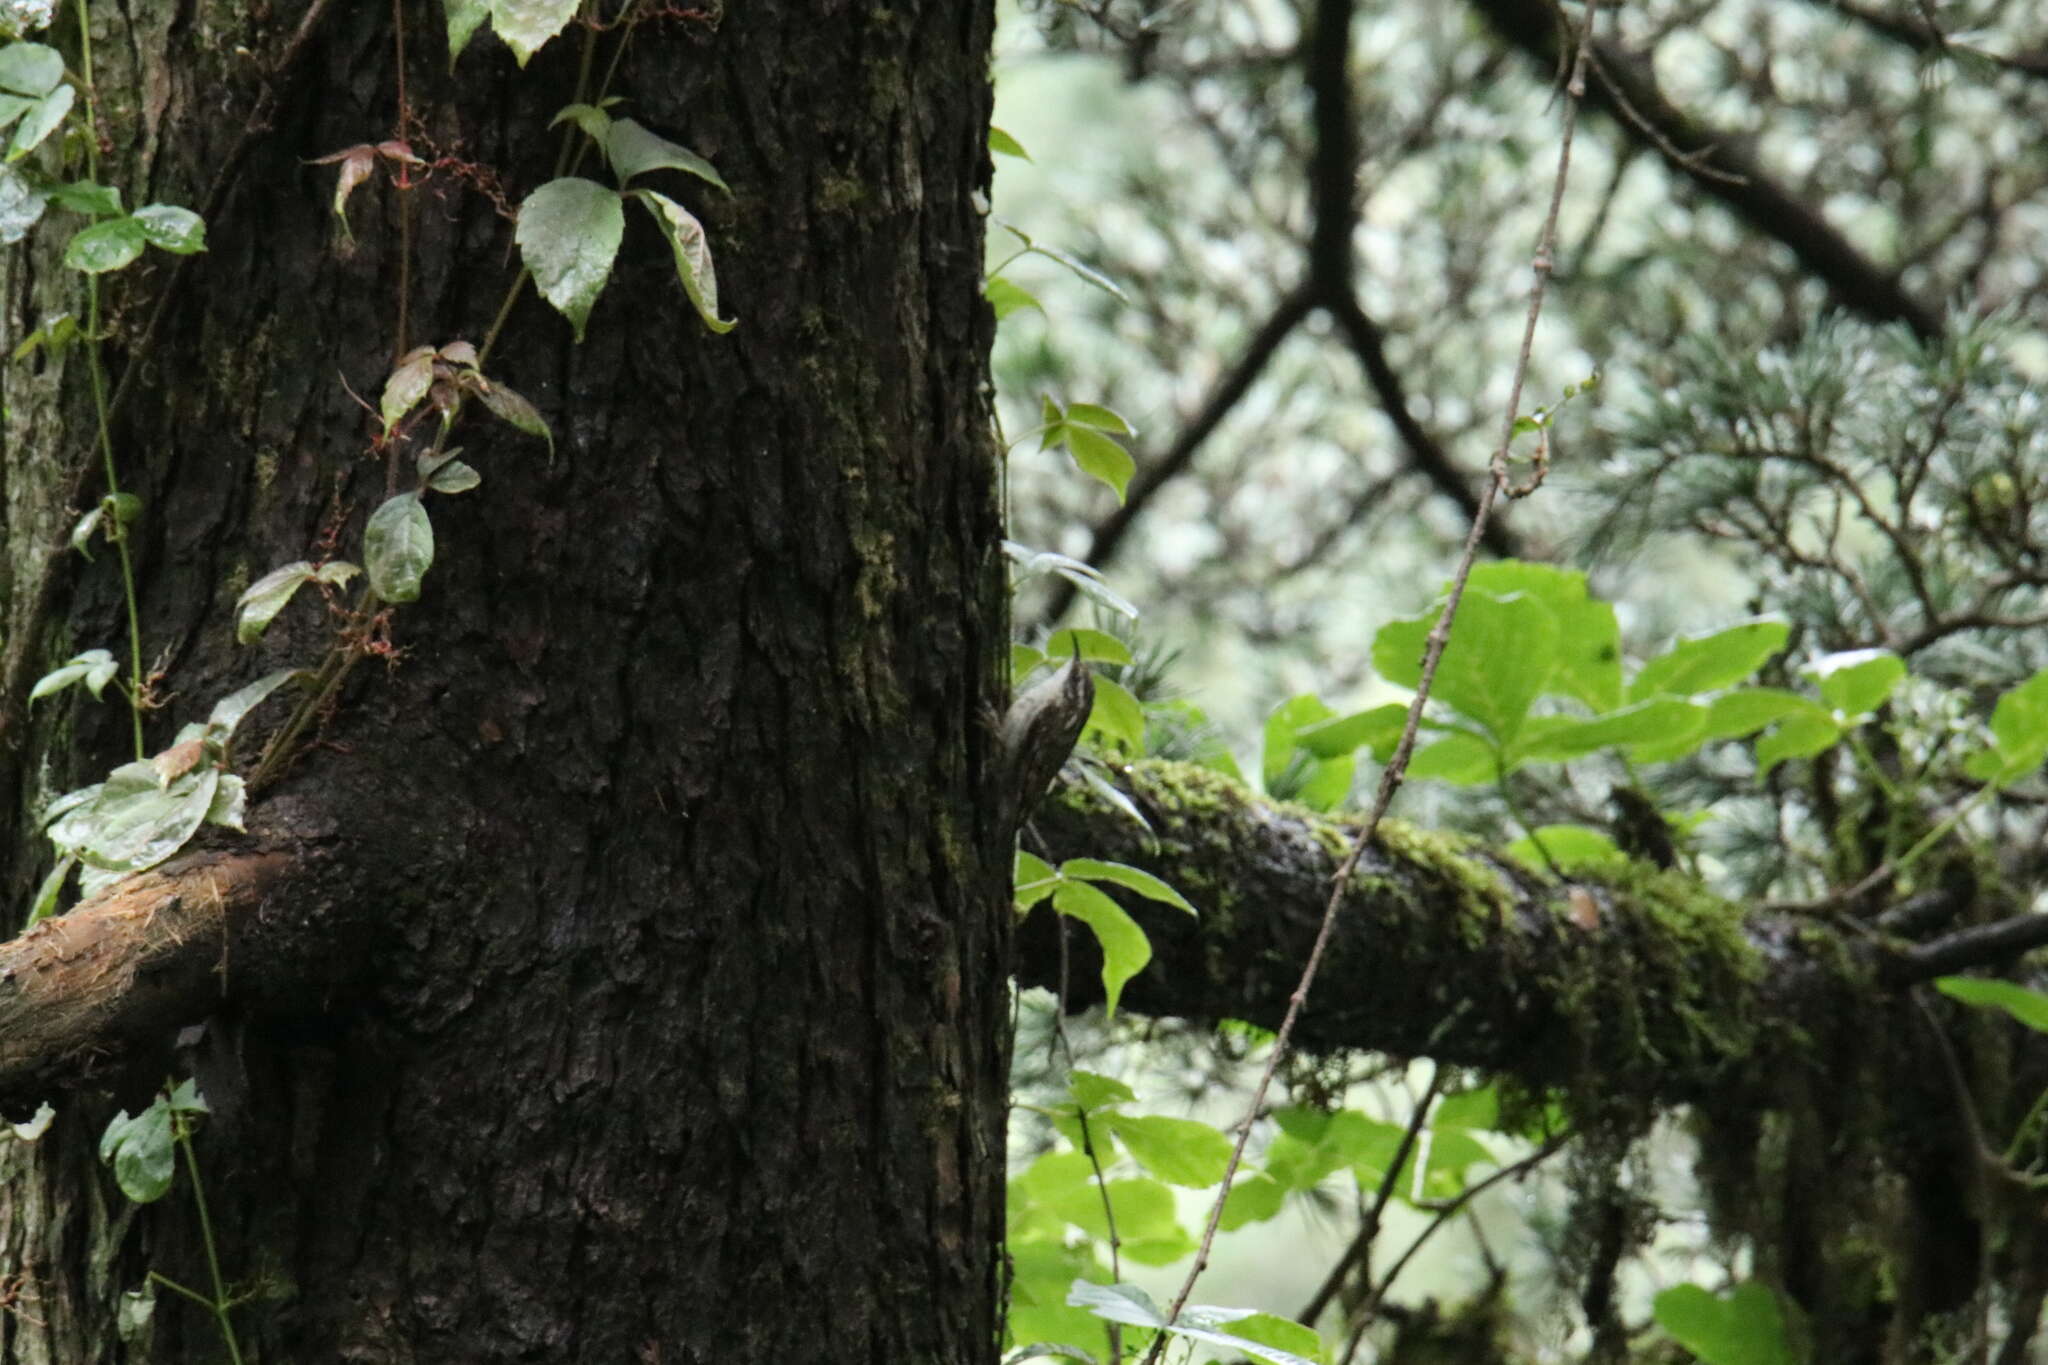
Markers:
678,1034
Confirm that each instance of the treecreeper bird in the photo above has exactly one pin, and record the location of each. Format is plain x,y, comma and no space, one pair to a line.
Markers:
1037,734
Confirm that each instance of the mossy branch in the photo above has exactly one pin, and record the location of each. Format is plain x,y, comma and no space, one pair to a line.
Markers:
1639,982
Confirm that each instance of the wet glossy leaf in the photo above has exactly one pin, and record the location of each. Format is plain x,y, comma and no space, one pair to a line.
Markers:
131,829
257,607
143,1152
105,246
454,477
510,407
406,385
78,668
692,255
228,713
170,228
398,548
47,895
526,25
88,197
633,150
30,68
568,235
40,121
464,18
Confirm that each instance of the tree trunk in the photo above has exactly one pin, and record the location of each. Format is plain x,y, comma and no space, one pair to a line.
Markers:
640,991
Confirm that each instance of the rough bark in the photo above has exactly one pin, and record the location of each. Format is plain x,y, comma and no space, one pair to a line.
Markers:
663,1005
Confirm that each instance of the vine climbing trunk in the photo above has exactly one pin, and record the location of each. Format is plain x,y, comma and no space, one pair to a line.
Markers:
638,993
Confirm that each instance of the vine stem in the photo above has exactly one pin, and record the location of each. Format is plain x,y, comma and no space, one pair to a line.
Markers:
1396,770
117,530
220,1291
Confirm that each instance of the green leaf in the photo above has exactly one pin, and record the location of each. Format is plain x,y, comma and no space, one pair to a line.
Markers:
1575,848
1856,682
134,824
1797,736
1745,1327
256,608
1290,771
1116,715
228,713
999,141
1129,1304
1129,878
406,385
1024,660
2019,733
230,804
454,477
1144,1209
81,532
1099,418
1289,1338
1101,458
170,228
1475,1108
1254,1197
1092,1091
1007,298
632,150
692,254
1086,578
21,208
75,669
105,246
30,68
1178,1151
1501,656
1674,726
143,1151
464,18
1033,879
45,903
1710,662
1093,646
398,548
40,121
1125,1303
1377,729
512,408
2027,1006
568,235
1125,949
1589,639
526,25
1459,757
337,572
87,197
1084,271
594,122
1735,714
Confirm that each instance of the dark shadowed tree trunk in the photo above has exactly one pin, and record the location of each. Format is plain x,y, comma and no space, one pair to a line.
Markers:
632,987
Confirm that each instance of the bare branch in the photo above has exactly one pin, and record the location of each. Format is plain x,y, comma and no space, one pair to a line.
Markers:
1624,87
